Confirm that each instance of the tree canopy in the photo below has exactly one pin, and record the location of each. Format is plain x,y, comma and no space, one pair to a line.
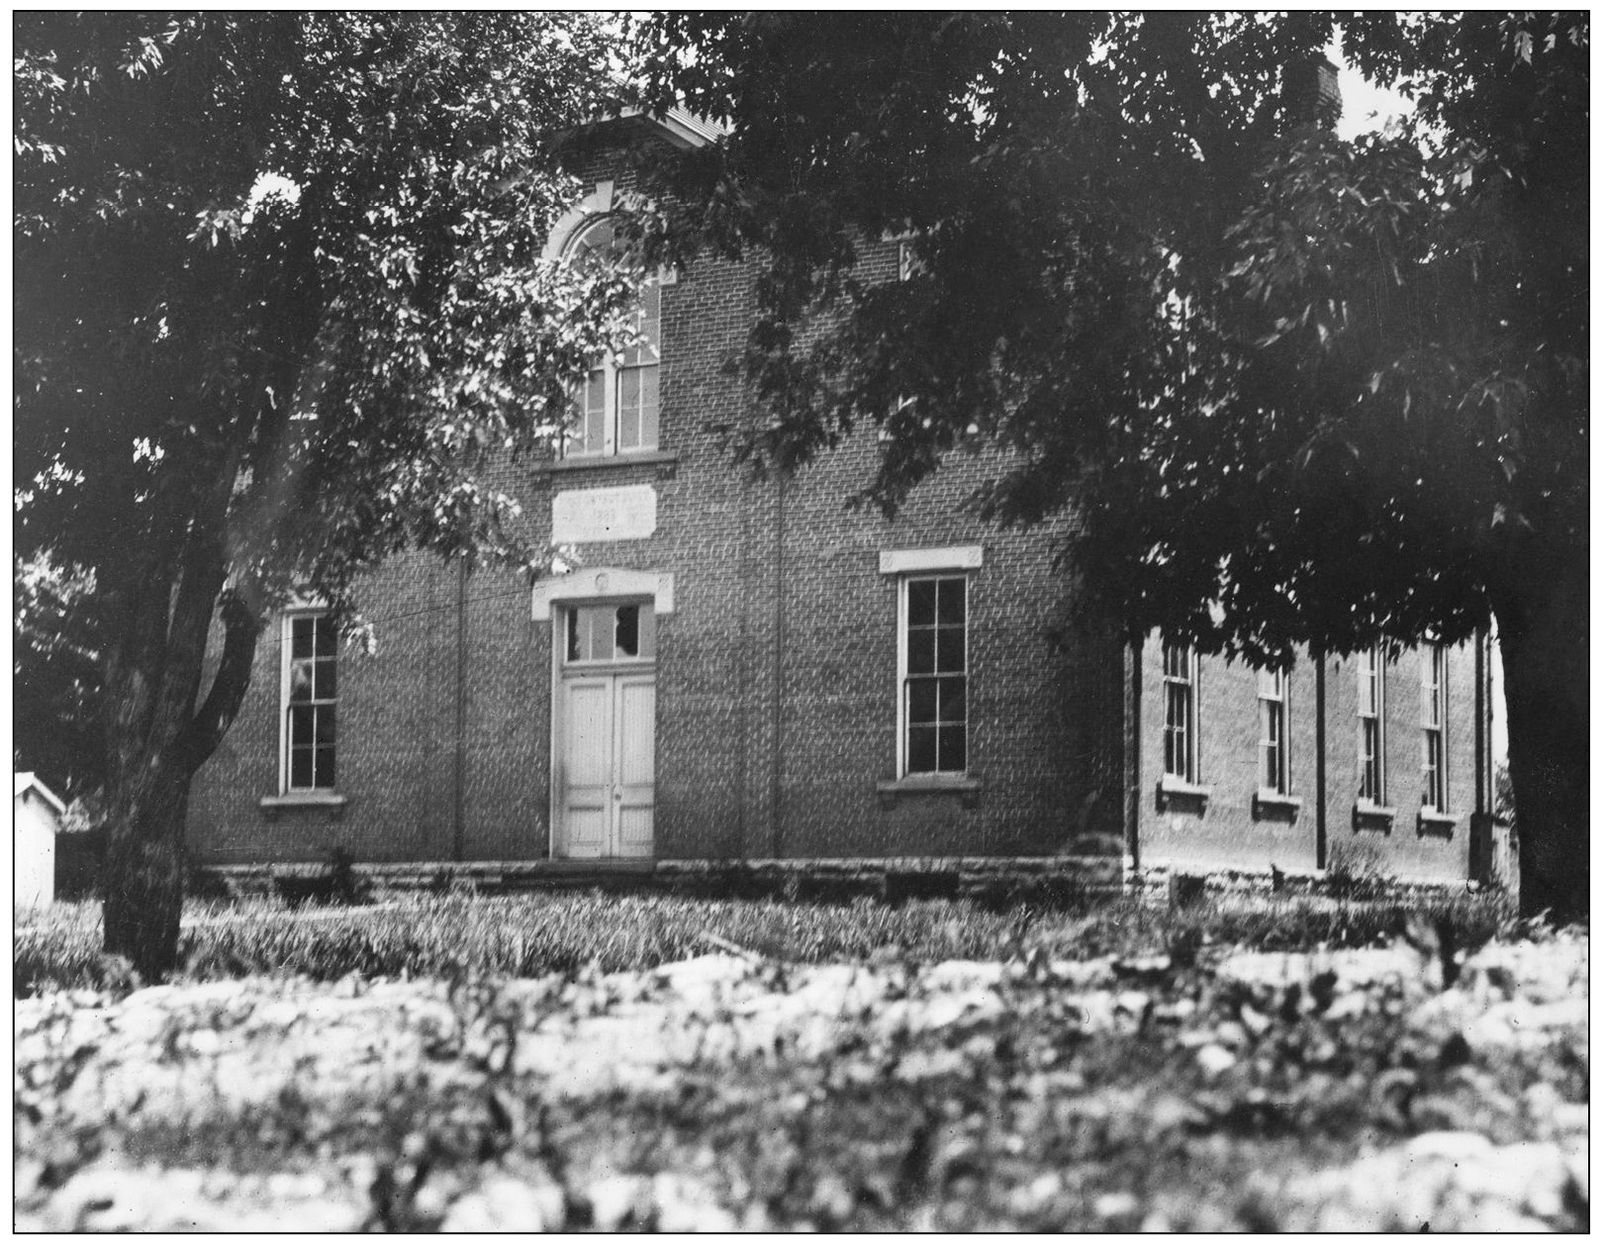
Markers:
1299,390
294,258
278,293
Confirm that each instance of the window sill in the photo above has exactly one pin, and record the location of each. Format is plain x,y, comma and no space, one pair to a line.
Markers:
304,800
966,787
664,459
1369,815
1274,805
1431,823
1174,790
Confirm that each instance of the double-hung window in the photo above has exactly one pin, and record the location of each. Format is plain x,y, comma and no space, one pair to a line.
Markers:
1181,712
934,677
1434,713
309,699
616,410
1274,764
1372,690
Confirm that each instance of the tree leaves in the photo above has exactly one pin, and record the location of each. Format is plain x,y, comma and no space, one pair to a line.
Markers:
317,235
277,303
1148,278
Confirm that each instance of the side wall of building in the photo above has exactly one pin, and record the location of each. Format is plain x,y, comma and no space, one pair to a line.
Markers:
1323,829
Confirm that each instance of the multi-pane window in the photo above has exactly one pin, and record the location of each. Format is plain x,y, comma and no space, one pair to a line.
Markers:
935,675
1274,767
616,410
1434,712
598,633
1181,712
1372,700
310,700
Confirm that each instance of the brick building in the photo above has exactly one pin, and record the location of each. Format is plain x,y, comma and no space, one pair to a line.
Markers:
740,670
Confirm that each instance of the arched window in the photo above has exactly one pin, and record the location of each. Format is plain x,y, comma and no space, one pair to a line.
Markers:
616,411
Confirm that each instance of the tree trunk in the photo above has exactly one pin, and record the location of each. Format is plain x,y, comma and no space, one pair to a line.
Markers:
1544,646
145,872
157,737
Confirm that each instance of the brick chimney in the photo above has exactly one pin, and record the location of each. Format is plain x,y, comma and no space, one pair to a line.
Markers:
1311,91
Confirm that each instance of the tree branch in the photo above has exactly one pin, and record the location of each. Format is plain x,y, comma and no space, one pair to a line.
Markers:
242,627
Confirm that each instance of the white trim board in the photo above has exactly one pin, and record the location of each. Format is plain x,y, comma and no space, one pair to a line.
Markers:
603,582
597,203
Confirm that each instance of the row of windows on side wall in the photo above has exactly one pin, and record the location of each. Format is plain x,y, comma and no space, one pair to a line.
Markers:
1181,728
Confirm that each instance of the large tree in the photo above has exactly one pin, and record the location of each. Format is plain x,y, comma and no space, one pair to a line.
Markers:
277,292
1301,391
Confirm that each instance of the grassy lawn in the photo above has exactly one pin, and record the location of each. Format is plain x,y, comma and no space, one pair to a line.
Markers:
533,934
574,1060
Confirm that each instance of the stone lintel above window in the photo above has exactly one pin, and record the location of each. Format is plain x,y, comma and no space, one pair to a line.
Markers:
925,560
603,582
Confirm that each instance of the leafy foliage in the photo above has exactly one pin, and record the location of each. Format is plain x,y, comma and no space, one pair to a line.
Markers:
1298,391
1333,387
295,257
279,297
55,677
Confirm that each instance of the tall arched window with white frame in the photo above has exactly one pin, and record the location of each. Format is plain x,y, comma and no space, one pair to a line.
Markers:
616,409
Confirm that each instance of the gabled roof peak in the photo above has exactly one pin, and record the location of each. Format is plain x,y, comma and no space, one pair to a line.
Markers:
684,129
23,782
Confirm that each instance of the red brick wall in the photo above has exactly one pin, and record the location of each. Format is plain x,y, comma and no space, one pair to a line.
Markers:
776,681
395,749
1045,708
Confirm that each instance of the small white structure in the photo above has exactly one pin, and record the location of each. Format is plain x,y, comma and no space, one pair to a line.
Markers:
36,816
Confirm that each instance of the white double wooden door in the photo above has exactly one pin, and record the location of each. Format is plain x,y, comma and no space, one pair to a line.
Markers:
605,765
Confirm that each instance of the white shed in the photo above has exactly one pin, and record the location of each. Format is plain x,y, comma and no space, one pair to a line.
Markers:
36,816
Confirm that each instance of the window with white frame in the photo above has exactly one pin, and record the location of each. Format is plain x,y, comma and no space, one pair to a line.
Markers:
309,699
616,410
1434,713
933,676
1274,761
1372,700
1181,712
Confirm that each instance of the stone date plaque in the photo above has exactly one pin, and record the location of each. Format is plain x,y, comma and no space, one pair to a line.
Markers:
601,515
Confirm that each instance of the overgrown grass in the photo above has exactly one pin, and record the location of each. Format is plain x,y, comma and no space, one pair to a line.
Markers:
531,934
